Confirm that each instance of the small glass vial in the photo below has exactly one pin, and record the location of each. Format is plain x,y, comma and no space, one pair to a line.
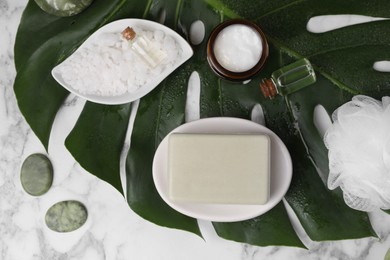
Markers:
144,48
289,79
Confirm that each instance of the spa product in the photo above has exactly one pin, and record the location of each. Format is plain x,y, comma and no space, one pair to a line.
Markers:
144,48
219,168
63,7
237,49
36,174
66,216
289,79
108,66
359,152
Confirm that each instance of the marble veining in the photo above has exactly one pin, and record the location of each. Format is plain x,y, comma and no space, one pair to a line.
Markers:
112,230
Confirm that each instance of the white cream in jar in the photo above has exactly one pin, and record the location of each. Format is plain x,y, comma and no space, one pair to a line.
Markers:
238,48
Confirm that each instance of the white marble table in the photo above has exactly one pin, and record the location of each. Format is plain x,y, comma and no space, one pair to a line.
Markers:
112,231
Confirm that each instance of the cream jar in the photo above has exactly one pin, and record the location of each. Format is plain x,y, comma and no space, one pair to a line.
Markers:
237,49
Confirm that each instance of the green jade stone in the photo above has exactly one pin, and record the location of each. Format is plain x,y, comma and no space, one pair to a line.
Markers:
63,7
36,174
66,216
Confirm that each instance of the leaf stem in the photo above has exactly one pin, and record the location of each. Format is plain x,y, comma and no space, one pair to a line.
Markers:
221,8
147,9
178,8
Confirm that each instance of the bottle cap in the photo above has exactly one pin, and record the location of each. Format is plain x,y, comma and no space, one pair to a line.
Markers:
128,33
268,88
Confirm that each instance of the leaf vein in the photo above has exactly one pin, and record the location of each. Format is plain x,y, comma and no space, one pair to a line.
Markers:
148,5
177,12
158,118
220,102
280,8
336,49
296,55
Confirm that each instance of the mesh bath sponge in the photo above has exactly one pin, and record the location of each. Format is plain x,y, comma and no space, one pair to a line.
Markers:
359,152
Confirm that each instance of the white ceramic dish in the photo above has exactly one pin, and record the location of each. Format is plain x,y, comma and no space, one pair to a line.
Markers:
281,171
119,26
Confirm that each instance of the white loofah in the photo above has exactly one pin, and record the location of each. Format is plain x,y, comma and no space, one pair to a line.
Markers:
359,152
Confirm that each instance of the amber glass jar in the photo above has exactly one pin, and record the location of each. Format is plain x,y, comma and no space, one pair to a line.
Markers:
237,49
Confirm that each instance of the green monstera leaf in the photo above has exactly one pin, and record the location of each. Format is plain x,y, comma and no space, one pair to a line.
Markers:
343,60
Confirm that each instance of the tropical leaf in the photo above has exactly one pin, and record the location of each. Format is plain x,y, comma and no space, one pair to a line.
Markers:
96,146
273,228
387,256
342,58
158,114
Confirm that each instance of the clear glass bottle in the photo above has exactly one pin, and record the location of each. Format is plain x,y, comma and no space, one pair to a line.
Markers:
144,48
289,79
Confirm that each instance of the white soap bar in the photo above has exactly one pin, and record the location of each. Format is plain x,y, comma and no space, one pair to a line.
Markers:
219,168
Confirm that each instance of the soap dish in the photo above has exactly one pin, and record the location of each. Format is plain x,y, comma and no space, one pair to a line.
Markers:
280,171
117,27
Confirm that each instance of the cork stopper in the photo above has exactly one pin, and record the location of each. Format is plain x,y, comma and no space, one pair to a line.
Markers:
268,88
128,33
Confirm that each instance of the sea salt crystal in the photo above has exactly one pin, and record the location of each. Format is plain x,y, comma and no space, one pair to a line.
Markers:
109,67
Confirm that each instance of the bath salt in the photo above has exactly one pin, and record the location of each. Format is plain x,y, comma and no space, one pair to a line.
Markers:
359,152
110,67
